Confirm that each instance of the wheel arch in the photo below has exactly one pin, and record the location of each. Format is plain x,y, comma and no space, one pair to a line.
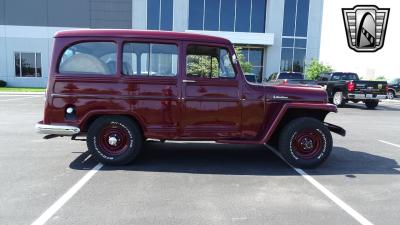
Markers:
293,111
89,119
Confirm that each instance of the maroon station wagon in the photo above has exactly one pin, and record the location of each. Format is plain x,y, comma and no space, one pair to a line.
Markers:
121,87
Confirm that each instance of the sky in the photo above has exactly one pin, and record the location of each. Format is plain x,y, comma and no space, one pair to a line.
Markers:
335,52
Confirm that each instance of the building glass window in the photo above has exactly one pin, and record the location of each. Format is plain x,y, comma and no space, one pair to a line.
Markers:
295,22
258,16
254,55
302,18
294,39
242,22
211,19
28,64
227,15
293,54
159,14
289,18
196,14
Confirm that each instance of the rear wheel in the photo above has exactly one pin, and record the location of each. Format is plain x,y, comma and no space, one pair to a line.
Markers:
114,140
390,95
338,98
305,142
371,104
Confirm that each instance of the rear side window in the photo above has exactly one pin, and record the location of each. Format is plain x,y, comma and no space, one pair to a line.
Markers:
89,58
336,77
150,59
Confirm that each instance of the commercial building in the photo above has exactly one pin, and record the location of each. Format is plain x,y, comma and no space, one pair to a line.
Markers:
274,35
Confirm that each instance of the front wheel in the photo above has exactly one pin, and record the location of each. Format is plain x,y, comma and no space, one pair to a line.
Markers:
371,104
114,140
305,142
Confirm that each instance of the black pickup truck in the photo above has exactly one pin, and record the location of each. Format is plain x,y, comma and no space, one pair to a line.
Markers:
343,87
290,78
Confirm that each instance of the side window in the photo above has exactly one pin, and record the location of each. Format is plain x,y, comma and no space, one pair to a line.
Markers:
335,77
89,58
150,59
208,62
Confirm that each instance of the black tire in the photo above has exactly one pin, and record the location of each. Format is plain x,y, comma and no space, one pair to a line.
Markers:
355,101
294,142
114,140
391,94
338,99
371,104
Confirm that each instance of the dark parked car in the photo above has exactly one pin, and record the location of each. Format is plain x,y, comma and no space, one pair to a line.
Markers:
289,78
251,78
121,87
394,88
343,87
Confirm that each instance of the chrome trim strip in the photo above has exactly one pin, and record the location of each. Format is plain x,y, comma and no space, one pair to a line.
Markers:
56,129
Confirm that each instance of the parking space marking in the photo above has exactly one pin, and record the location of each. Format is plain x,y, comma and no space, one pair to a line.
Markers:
23,97
68,195
353,213
388,143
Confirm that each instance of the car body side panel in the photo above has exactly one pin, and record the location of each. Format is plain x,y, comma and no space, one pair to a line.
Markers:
278,114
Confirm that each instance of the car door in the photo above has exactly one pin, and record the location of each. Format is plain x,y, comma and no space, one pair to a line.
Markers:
210,93
150,70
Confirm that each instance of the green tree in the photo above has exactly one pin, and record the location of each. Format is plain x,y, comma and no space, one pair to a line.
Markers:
381,78
315,68
207,66
245,65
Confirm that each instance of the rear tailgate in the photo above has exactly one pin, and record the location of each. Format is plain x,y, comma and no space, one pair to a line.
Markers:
370,87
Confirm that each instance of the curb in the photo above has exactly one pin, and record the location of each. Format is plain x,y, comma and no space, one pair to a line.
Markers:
20,93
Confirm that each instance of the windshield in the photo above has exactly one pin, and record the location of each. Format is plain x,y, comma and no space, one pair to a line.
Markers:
291,76
394,81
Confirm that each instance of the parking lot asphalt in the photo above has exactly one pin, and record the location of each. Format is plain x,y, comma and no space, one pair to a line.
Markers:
200,183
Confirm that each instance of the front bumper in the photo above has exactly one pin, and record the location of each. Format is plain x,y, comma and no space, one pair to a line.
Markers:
61,130
366,96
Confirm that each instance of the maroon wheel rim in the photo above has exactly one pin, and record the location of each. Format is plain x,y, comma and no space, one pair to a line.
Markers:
113,139
307,144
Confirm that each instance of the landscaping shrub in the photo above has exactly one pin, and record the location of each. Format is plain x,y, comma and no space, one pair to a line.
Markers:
3,83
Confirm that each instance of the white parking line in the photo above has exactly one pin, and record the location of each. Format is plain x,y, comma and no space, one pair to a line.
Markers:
24,97
386,142
68,195
353,213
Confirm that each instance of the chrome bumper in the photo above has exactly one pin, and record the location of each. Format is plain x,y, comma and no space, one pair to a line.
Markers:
365,96
56,129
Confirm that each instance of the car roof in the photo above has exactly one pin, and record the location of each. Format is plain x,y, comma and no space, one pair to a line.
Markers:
126,33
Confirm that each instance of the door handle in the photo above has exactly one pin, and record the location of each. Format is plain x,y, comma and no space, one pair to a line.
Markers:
189,81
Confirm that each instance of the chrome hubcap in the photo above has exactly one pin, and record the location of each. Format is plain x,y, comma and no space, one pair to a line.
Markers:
112,141
337,98
307,143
